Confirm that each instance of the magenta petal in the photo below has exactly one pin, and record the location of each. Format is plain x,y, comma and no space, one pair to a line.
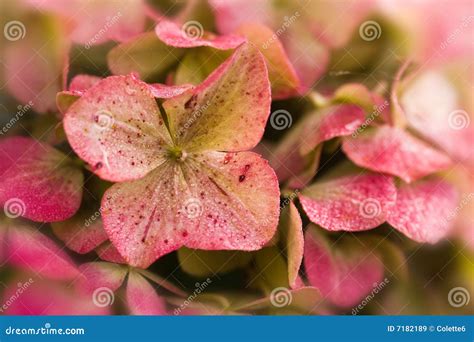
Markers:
142,298
392,150
116,127
424,210
344,275
37,181
102,274
32,250
351,203
192,34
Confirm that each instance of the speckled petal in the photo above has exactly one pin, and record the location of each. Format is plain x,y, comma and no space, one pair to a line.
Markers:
392,150
285,83
229,110
351,203
34,251
424,210
192,34
37,181
343,274
117,128
334,121
142,298
212,201
81,233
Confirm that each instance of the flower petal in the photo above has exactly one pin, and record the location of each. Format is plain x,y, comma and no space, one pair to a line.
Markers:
32,250
334,121
102,274
37,181
218,201
344,274
163,91
43,297
229,110
351,203
192,34
283,78
117,128
394,151
291,228
142,298
108,252
424,210
81,233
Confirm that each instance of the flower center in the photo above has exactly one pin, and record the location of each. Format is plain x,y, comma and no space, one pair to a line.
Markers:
177,153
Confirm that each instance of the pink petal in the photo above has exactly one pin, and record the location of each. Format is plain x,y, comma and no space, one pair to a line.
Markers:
343,274
309,57
292,231
102,274
351,203
116,127
283,78
335,121
31,250
108,252
221,201
229,110
424,209
163,91
142,298
43,297
82,233
34,65
439,118
106,20
83,82
37,181
392,150
230,14
192,34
